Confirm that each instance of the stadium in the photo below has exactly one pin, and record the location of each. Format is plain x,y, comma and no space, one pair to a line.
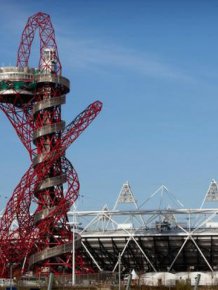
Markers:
169,239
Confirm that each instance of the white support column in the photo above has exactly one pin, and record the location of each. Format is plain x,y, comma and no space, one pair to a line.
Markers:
121,254
208,264
132,237
178,253
194,242
146,257
93,259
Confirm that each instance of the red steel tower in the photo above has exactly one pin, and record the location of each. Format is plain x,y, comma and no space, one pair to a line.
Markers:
32,99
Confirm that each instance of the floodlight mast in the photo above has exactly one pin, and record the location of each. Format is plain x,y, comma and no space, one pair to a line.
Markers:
32,99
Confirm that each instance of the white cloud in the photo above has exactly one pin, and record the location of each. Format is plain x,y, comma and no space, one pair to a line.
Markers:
94,53
91,53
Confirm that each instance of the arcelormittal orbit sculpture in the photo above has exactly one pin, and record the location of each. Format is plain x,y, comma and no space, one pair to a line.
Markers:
31,99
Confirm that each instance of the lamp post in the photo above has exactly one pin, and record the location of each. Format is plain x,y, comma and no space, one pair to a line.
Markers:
73,252
74,226
11,265
73,276
119,270
73,258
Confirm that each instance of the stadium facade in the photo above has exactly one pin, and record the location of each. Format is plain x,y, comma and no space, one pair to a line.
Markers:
169,238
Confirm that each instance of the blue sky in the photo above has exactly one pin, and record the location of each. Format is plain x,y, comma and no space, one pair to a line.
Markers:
154,65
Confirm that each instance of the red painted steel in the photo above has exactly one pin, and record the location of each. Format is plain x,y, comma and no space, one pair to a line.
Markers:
37,121
42,22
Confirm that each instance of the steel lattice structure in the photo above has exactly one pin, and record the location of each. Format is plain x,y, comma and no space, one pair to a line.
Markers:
31,99
165,238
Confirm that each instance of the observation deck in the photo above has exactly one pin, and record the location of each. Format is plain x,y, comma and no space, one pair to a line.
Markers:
17,85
